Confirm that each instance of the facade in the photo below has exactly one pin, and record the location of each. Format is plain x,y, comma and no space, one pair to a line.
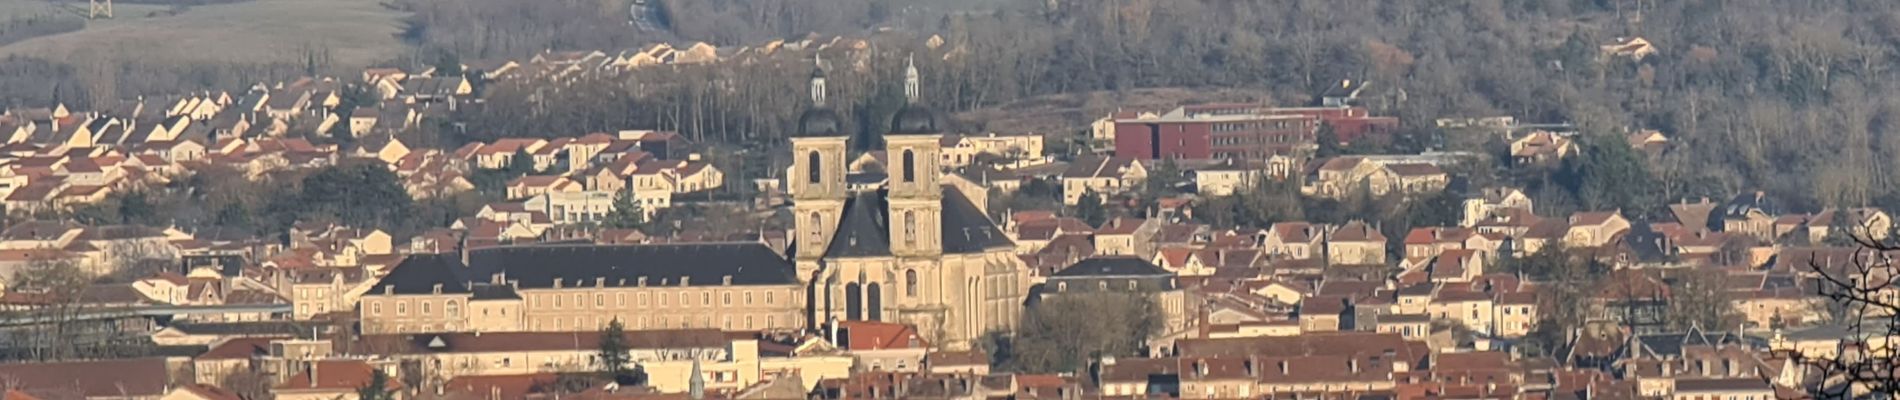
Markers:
915,251
1123,275
556,288
1245,131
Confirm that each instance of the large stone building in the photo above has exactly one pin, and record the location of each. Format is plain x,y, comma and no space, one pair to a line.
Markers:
915,251
561,288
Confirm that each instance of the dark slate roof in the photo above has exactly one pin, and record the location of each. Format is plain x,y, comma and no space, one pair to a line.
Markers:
966,229
421,272
1112,266
1671,344
538,266
493,292
261,328
865,229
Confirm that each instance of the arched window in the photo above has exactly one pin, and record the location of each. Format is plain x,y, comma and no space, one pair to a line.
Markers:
455,310
814,166
910,227
853,302
910,166
874,298
910,283
815,232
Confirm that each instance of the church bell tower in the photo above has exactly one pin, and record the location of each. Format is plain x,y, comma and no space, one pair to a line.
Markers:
914,147
817,178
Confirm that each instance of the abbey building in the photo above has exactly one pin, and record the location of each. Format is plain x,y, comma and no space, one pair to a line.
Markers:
915,251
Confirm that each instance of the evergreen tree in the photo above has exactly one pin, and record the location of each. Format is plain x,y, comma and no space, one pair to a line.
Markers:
627,213
614,358
1328,142
377,388
521,163
1089,209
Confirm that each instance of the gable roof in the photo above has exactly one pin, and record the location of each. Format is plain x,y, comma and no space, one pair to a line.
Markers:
135,377
871,335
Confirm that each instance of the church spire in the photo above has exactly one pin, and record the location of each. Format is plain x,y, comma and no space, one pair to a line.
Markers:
913,91
818,81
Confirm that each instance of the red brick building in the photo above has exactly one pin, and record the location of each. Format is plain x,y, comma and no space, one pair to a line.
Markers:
1246,131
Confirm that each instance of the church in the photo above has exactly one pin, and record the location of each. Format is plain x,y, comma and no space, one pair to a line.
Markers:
915,250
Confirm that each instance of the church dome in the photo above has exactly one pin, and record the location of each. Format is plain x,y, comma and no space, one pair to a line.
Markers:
915,120
820,122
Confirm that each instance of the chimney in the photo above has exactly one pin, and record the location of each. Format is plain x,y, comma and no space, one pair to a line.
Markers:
313,372
1353,365
1283,367
1200,368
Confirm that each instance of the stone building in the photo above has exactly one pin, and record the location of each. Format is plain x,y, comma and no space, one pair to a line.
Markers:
914,251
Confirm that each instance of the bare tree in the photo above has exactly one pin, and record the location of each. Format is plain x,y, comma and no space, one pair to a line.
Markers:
1863,291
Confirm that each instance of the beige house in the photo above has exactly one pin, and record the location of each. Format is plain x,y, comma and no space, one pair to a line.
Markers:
1124,236
1227,178
1494,203
1343,176
961,151
1595,229
1103,176
1295,240
1355,243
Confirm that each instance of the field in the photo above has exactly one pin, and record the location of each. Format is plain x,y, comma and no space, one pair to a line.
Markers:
356,32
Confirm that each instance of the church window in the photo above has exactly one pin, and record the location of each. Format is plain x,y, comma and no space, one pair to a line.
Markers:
814,166
814,232
874,296
910,227
853,302
910,164
910,283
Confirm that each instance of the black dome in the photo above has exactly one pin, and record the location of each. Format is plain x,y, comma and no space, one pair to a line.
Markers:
915,120
819,122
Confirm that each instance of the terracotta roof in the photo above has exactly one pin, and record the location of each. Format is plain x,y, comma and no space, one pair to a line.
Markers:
869,335
209,392
335,375
134,377
498,386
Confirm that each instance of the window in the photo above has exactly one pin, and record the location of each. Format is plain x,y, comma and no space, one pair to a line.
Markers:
376,308
814,167
1103,285
557,301
453,309
725,299
705,298
771,321
686,299
1132,285
748,322
910,164
620,299
402,308
815,232
600,300
643,299
1062,286
910,283
425,307
580,300
910,227
748,298
768,297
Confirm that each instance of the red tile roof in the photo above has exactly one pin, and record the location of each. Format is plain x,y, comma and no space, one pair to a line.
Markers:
868,335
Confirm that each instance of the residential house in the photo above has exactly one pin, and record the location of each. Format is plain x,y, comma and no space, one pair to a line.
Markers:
1544,148
882,346
1595,229
1126,236
1294,240
1103,176
1497,202
1355,243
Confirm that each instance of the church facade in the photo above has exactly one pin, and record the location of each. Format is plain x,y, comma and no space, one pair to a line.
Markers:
914,251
